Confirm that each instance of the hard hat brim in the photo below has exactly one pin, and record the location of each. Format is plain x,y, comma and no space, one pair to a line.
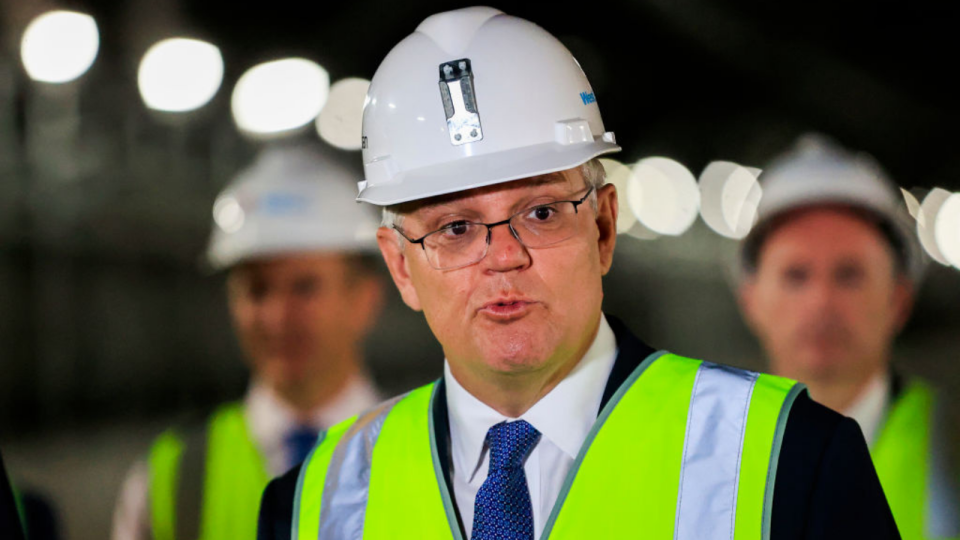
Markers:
483,170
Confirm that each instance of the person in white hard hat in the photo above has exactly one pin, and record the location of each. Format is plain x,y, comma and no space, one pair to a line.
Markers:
303,291
551,419
828,280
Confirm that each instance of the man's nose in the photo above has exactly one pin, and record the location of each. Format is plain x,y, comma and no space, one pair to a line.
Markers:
272,312
505,251
821,294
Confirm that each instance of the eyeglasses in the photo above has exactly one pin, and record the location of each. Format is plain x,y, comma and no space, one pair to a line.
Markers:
462,243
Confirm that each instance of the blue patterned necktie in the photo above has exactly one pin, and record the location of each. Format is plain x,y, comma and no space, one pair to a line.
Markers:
502,510
299,443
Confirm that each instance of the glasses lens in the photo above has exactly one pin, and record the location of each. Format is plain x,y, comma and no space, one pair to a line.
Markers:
546,224
457,244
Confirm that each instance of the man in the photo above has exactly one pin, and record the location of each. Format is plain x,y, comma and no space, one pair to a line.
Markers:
551,419
303,293
829,274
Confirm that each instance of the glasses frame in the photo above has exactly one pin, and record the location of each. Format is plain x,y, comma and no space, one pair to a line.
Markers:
576,204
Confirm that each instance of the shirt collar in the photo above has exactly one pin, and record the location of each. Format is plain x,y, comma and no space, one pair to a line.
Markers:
564,416
870,407
270,419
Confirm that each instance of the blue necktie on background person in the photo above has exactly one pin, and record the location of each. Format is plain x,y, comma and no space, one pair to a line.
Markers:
300,441
502,510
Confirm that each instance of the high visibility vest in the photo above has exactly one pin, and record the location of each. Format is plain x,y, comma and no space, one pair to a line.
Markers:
207,484
684,449
911,462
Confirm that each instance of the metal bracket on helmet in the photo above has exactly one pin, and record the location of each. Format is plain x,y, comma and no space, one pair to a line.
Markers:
460,102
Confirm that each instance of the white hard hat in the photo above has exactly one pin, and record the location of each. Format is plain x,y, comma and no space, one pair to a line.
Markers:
818,172
475,97
292,199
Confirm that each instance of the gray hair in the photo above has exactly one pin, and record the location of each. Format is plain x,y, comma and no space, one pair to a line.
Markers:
592,171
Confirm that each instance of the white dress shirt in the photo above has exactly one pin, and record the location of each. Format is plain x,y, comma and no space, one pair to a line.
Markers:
269,421
563,417
870,407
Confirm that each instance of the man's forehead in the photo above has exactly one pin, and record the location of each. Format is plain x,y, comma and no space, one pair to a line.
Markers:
558,178
803,231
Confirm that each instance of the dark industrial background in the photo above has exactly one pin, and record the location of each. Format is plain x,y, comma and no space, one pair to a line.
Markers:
109,329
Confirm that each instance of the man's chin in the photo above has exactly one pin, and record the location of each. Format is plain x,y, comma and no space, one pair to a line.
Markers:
516,356
285,373
822,363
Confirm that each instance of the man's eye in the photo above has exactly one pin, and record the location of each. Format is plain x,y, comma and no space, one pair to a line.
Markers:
796,277
849,276
306,286
542,213
457,228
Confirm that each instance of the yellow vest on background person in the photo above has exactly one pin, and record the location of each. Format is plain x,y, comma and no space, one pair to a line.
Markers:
913,468
704,442
206,483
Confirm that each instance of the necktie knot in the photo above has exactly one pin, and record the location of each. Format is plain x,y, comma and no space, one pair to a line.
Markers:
300,441
510,443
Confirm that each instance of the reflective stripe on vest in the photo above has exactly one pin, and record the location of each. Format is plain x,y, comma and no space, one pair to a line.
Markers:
233,478
910,459
687,448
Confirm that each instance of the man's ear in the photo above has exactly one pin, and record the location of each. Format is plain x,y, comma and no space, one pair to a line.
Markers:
394,256
607,211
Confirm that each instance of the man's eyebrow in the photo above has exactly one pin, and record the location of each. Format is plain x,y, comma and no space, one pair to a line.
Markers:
438,203
549,178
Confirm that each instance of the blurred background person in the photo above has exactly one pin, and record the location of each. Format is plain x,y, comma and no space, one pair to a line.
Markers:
828,281
303,290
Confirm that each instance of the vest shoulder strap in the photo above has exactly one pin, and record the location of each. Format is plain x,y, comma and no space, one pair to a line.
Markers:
177,464
338,482
703,445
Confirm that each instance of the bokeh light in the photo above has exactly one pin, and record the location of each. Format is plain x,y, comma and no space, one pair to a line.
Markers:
340,121
228,214
59,46
618,174
926,222
913,205
179,74
947,229
663,195
279,96
729,195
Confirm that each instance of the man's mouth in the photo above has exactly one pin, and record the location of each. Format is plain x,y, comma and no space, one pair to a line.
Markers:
506,308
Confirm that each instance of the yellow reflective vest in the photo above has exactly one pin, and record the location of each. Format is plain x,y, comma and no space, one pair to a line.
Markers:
701,443
912,465
207,485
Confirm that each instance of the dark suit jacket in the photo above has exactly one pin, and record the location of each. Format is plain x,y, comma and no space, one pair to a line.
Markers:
826,487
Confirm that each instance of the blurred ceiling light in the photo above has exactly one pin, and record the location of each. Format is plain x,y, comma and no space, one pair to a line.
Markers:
729,195
59,46
663,195
339,123
618,174
179,74
279,96
913,205
929,211
228,214
947,229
